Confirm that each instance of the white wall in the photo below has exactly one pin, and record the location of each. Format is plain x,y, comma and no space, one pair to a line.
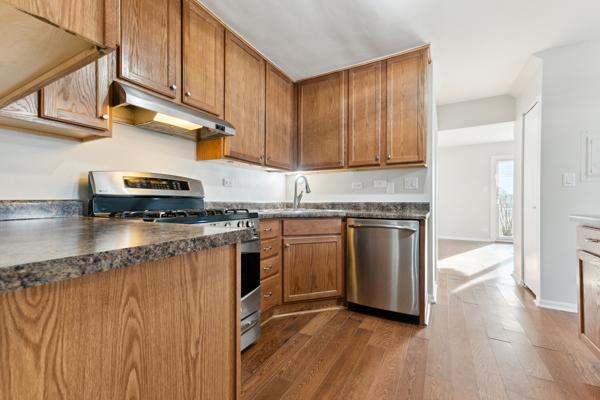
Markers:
465,189
36,167
527,91
490,110
570,107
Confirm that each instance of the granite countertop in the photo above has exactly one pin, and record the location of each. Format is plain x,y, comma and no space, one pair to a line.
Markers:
587,220
415,214
40,251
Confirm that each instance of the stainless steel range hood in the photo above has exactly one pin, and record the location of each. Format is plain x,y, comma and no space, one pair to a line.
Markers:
136,107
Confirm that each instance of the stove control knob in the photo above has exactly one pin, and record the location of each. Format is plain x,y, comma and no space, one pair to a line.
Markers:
227,224
240,224
249,224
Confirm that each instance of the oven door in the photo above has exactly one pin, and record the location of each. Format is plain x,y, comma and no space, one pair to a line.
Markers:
250,277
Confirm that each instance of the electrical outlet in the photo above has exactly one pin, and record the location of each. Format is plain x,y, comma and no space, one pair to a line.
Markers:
411,183
357,185
227,182
380,184
390,188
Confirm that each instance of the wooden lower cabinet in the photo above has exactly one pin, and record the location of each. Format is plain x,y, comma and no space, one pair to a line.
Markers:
312,267
270,289
588,242
166,329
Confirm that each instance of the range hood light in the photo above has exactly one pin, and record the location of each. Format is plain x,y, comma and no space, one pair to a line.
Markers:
166,119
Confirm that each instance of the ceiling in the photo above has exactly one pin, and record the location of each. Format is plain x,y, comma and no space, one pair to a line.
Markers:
479,46
492,133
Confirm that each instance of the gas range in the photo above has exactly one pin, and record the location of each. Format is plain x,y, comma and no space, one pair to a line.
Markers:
159,198
172,199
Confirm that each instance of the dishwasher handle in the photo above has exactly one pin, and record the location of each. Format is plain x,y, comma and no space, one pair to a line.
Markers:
400,228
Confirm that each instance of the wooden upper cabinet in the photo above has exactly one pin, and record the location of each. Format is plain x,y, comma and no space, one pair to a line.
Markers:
406,108
365,115
312,268
322,122
45,40
149,52
279,120
80,98
203,59
244,100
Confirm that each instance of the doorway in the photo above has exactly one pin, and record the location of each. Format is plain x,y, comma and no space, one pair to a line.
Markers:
531,199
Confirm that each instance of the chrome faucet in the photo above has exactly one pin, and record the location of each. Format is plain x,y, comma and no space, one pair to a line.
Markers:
298,197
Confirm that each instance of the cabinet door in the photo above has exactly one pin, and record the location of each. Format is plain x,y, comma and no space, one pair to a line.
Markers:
365,115
322,122
279,123
406,114
244,101
312,268
203,59
80,98
589,301
149,44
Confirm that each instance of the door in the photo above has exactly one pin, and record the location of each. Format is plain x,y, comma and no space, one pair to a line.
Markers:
312,268
502,201
531,199
149,44
365,86
406,114
279,122
203,55
244,101
80,98
322,122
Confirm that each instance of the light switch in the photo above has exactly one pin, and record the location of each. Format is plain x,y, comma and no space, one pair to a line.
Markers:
357,185
380,184
569,179
227,182
411,183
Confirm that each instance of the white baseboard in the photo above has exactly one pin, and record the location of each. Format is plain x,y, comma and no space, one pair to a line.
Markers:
557,305
465,239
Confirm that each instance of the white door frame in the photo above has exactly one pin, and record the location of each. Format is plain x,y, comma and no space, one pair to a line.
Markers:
494,237
536,291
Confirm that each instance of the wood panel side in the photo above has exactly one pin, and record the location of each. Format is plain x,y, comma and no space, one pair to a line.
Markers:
161,330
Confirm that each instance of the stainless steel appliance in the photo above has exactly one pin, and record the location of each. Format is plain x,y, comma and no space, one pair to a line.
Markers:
174,199
382,269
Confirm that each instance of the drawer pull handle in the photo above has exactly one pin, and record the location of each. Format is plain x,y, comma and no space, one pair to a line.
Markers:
595,241
267,295
269,229
267,269
268,248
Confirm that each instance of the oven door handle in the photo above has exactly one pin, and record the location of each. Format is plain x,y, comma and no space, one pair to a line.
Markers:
247,325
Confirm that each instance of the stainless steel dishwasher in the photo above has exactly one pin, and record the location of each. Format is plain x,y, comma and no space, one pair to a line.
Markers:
382,264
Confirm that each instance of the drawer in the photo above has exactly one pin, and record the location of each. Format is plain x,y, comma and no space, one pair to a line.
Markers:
270,266
269,248
270,292
312,226
269,228
588,239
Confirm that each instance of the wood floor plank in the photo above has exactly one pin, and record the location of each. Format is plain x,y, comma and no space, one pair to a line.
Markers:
487,340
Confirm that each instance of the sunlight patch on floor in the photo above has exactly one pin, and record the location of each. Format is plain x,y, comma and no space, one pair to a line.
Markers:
478,261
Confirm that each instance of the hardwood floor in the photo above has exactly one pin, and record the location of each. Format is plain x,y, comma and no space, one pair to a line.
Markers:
487,340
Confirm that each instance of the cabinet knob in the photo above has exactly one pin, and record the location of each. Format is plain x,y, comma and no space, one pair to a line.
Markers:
287,245
267,269
173,87
376,158
389,157
267,295
104,117
268,248
268,158
188,94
